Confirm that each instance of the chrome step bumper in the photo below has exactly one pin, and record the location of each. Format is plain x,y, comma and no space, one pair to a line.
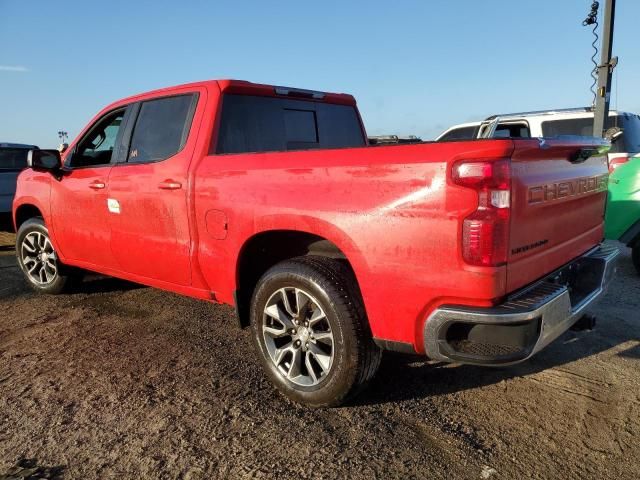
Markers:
527,321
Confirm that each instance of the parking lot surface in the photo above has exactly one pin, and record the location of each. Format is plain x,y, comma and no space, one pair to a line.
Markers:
123,381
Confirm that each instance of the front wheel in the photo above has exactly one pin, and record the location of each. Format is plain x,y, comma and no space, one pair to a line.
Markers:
635,256
38,259
311,332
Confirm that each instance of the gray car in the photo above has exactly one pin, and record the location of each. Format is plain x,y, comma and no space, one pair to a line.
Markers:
13,159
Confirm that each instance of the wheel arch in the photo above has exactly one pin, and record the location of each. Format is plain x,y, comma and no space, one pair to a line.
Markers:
632,236
266,248
24,212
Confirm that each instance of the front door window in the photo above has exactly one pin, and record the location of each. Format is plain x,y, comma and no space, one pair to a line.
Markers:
97,147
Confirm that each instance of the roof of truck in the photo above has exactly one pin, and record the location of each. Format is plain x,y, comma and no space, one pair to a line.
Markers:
562,113
249,88
579,112
16,145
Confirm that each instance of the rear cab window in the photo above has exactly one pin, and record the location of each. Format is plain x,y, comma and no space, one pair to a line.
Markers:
270,124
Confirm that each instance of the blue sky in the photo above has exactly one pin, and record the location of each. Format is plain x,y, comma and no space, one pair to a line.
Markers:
415,66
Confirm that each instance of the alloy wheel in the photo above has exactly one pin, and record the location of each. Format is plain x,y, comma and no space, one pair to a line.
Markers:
39,258
298,336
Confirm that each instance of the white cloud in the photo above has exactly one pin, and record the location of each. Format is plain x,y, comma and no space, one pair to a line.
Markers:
13,68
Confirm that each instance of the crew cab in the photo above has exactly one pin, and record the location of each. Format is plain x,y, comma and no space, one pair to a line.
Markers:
271,199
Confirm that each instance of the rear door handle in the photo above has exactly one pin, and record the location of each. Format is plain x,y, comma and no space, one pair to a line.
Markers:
170,185
97,185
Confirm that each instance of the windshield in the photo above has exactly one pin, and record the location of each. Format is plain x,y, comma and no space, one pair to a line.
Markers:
630,124
13,158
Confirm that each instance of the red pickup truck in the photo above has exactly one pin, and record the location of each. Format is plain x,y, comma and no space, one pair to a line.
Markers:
270,198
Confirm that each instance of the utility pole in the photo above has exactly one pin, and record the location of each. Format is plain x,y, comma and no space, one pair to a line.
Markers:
605,69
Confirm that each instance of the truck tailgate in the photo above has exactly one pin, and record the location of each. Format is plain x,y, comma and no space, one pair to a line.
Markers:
558,192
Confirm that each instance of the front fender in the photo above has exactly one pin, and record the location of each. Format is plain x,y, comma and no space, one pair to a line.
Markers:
33,191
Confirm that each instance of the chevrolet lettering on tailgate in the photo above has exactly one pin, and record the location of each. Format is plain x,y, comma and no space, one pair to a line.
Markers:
571,188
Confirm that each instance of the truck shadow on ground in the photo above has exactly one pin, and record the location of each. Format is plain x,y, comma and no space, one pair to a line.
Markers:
14,285
94,283
633,352
407,377
28,468
6,223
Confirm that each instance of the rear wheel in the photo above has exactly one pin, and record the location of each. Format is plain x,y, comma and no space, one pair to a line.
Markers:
635,256
38,259
311,332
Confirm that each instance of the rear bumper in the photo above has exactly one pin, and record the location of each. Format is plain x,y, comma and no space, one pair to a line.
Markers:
527,321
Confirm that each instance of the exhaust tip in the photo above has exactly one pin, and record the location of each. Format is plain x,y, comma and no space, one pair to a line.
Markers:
586,322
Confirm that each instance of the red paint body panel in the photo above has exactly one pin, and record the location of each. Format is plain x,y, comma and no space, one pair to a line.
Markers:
390,210
80,218
154,222
393,211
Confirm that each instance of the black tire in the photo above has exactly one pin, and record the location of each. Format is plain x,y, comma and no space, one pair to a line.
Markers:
333,287
60,281
635,256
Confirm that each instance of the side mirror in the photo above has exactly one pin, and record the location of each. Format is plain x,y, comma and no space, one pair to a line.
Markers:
47,160
613,134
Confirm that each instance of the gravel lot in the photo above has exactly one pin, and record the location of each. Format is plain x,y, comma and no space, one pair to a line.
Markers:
121,381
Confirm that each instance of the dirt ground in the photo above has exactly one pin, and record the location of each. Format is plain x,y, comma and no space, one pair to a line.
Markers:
121,381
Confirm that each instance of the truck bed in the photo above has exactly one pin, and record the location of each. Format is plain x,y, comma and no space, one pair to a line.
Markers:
396,215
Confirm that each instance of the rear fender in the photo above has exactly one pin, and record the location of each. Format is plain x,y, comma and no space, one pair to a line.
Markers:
632,236
321,228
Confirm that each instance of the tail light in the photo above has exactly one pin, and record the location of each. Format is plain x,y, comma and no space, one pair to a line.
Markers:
485,233
616,162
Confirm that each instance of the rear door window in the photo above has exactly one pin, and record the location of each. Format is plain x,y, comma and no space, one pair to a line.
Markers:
161,128
267,124
13,158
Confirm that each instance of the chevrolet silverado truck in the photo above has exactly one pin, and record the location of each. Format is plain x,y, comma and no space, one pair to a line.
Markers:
270,199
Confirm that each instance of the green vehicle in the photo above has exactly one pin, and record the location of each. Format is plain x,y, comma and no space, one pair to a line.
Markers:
622,221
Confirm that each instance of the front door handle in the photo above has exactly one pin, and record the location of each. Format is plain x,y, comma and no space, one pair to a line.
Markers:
170,185
97,185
